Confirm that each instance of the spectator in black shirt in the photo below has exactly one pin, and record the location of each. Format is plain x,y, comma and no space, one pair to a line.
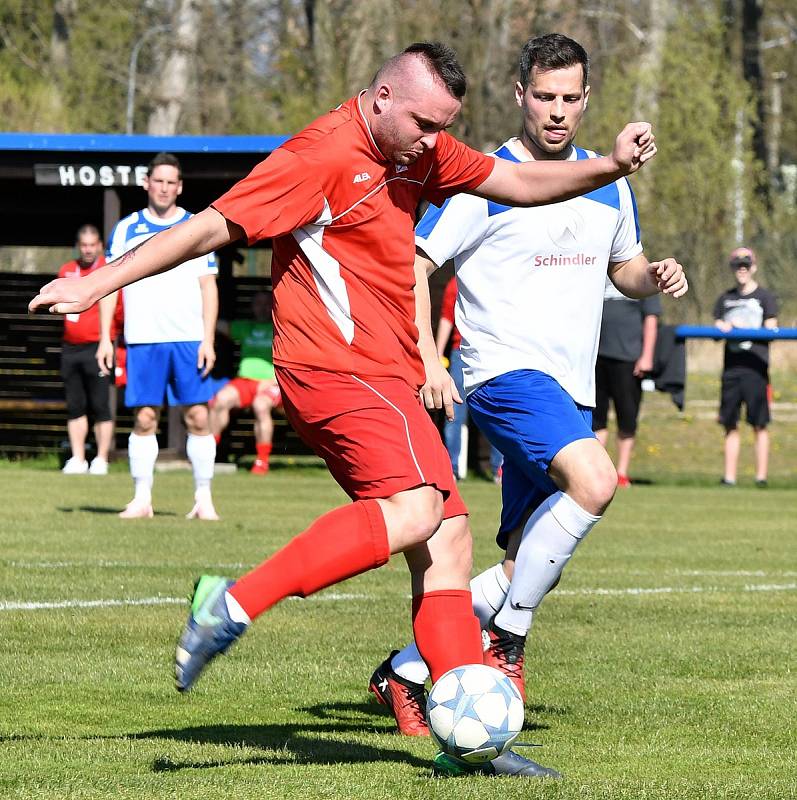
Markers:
745,371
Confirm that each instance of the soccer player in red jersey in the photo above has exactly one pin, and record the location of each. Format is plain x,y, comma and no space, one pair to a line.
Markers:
338,201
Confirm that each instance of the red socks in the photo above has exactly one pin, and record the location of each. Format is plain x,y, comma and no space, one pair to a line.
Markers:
263,450
447,632
338,545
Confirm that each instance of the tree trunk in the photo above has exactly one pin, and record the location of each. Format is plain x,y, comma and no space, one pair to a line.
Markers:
176,89
752,11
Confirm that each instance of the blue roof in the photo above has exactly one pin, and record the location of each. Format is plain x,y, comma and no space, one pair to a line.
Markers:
119,142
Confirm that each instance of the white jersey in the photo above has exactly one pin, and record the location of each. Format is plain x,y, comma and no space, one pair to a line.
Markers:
531,280
165,307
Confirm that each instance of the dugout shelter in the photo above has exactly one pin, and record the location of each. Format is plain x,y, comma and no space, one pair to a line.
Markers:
53,184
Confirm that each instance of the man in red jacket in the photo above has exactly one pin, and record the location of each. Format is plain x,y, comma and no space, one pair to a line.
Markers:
86,389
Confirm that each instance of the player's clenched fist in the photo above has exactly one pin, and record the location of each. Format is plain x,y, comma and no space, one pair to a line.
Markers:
634,145
669,277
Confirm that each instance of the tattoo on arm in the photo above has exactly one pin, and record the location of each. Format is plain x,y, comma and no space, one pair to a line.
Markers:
128,256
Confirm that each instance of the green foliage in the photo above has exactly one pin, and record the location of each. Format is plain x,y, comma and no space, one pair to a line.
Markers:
690,209
271,66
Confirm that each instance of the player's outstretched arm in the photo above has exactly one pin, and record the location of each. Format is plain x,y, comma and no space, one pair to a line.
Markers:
534,183
639,277
197,236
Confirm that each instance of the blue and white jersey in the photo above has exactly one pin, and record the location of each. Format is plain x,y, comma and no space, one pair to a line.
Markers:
165,307
531,280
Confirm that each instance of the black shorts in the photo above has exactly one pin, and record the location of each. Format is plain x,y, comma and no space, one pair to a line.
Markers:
615,381
748,386
84,387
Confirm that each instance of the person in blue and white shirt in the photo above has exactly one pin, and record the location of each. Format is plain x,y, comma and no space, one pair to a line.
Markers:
170,322
531,285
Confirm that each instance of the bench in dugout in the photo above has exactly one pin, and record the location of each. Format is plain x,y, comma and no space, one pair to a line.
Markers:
32,407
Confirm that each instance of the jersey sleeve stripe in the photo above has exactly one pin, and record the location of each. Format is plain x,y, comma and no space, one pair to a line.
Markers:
430,220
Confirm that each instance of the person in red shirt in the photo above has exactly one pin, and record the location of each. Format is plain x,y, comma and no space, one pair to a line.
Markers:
85,388
338,201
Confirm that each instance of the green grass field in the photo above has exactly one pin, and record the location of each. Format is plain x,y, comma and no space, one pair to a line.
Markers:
663,667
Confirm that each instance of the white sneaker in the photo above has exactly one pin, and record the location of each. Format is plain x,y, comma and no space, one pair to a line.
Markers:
76,466
203,509
135,509
98,466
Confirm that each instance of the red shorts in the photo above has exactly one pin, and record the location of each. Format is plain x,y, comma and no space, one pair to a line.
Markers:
249,388
374,435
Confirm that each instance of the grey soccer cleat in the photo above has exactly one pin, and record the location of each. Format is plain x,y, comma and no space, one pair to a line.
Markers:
208,632
509,764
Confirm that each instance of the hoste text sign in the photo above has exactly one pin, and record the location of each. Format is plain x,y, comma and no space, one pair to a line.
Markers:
88,175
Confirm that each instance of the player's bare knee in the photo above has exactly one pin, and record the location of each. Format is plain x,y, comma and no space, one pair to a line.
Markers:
196,419
261,407
423,517
145,422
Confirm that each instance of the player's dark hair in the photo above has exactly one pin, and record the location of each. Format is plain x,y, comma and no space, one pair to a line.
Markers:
552,51
165,160
87,228
442,60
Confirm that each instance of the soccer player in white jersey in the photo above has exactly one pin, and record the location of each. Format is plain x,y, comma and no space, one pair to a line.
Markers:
531,284
170,321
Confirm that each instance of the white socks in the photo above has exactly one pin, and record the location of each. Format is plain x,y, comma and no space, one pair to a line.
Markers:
235,610
549,539
142,452
201,451
489,590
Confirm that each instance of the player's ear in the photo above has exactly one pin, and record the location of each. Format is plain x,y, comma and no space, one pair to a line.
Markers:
519,92
586,97
179,188
383,98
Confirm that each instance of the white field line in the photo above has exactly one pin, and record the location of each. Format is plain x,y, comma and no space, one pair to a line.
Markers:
10,605
238,567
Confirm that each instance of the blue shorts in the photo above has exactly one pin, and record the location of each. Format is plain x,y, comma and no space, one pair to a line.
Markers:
529,417
166,370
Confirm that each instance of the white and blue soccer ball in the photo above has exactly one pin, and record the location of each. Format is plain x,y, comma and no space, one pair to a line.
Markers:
474,713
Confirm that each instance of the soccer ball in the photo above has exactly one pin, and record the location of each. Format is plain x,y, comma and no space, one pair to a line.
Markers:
474,713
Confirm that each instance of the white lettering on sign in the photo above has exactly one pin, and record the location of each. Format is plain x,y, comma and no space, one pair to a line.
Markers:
106,175
67,175
87,176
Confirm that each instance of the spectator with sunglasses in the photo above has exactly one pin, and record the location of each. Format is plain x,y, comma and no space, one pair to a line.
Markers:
745,371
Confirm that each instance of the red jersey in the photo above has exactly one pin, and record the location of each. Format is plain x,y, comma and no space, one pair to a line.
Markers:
341,217
447,311
84,328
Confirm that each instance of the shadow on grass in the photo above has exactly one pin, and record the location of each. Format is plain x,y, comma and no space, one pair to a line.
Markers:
288,744
368,713
105,510
364,714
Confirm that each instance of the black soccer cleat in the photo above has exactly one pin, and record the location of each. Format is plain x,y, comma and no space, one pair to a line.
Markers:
505,651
